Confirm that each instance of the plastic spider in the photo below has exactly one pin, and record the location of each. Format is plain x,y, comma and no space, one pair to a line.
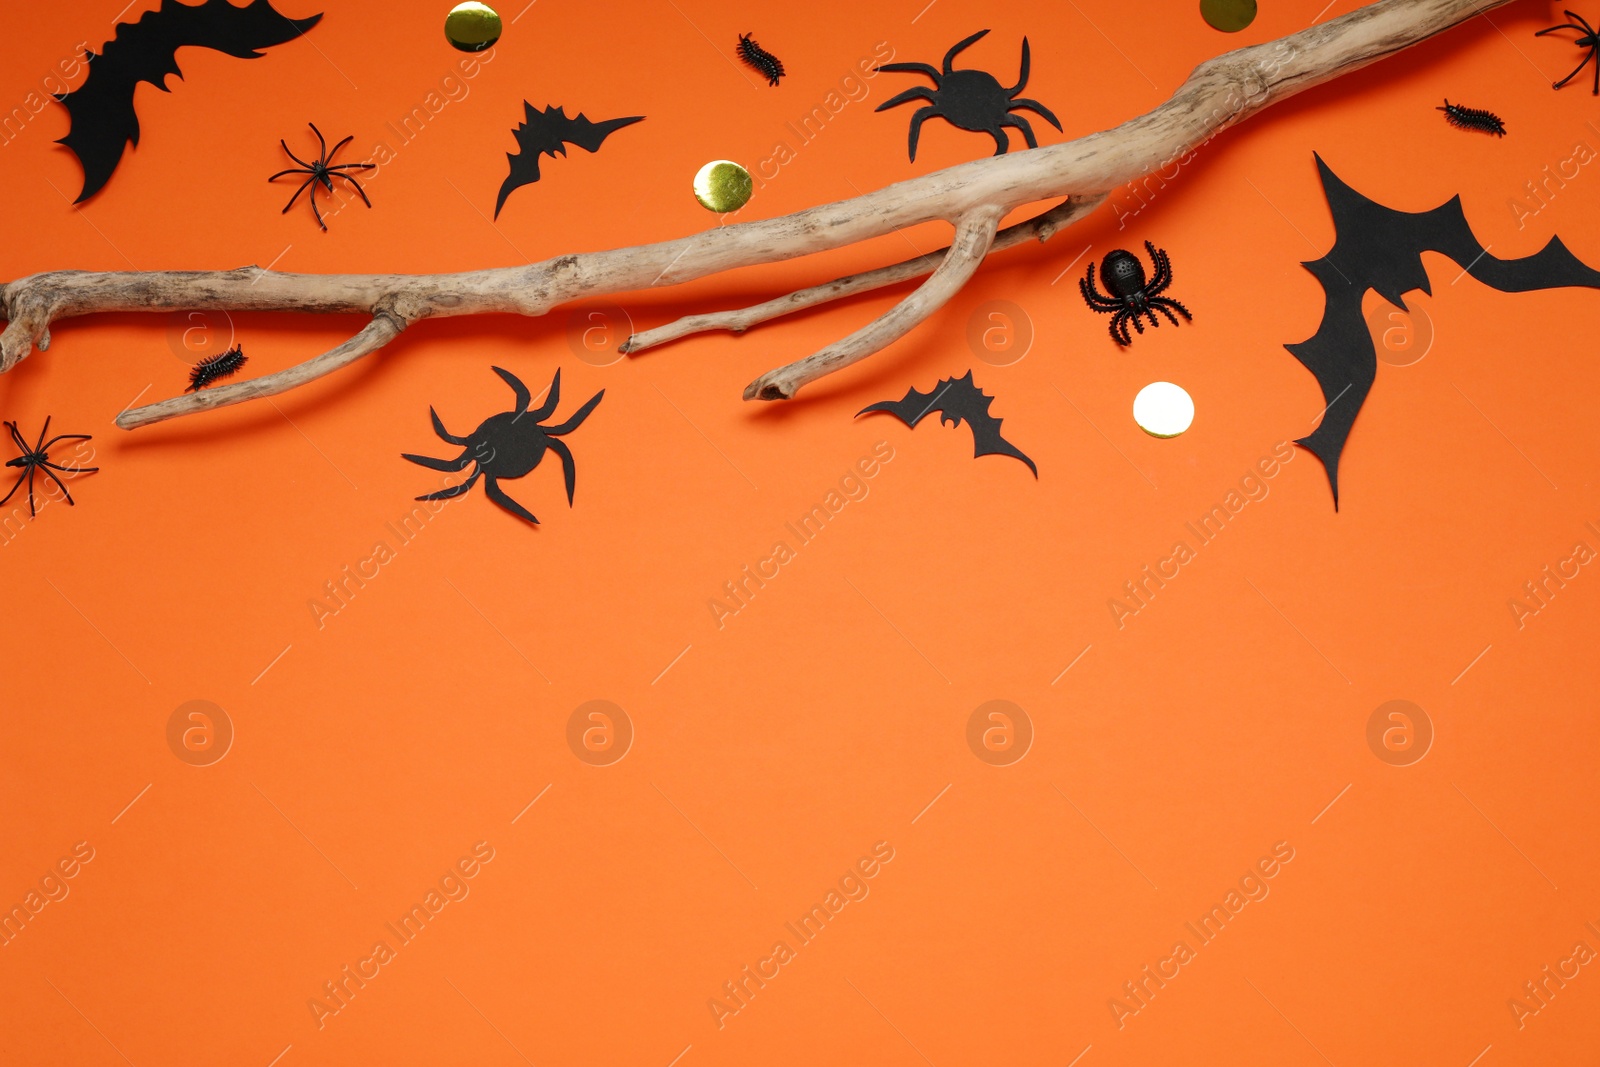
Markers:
506,446
970,99
1589,40
323,171
1131,296
38,458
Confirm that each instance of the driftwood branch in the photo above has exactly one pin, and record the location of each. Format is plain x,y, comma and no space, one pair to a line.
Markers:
973,197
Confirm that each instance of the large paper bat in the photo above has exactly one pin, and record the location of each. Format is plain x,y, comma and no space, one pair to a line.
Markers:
103,118
1378,248
956,399
548,132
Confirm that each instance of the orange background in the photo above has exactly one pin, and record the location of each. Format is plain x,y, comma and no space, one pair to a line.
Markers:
375,747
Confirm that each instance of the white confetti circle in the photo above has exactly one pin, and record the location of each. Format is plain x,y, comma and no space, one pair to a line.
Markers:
1163,410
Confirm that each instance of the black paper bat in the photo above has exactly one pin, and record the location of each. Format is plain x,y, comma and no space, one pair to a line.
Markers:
548,132
101,109
956,399
1379,248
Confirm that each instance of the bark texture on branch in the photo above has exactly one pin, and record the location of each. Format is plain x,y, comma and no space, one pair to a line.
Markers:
971,196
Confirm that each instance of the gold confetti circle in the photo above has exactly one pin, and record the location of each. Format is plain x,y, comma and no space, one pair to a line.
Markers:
472,27
723,186
1163,410
1229,16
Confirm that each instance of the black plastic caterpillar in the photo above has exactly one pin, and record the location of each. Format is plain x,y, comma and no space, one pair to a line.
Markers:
215,369
1472,118
770,66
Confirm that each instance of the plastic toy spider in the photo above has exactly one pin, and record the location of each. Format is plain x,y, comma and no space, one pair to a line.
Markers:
38,458
970,99
1131,296
506,446
1589,40
323,171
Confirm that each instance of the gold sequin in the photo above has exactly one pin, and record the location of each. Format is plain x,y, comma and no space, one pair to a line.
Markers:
723,186
1229,16
472,27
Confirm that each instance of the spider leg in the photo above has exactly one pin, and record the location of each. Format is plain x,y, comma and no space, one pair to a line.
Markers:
40,446
444,435
1022,76
360,191
454,490
68,470
1578,69
577,418
1563,26
1163,265
568,468
320,141
15,486
303,187
1133,317
959,47
353,166
1001,145
1158,304
338,146
459,463
64,437
33,512
291,170
1164,302
521,391
916,128
1091,293
909,68
551,399
292,156
1037,108
17,437
1021,124
498,495
1119,328
920,92
61,484
316,210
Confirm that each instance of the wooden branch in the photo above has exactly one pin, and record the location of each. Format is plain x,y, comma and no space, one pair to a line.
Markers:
383,328
1040,227
974,235
1219,93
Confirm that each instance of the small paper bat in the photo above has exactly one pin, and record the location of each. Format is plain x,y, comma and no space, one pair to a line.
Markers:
548,132
956,399
1379,248
103,119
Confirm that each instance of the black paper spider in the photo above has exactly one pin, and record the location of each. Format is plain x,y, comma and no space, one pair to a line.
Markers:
322,171
506,446
1131,296
1589,40
38,458
970,99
